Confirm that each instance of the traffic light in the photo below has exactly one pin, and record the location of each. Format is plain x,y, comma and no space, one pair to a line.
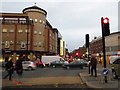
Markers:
76,53
105,26
87,40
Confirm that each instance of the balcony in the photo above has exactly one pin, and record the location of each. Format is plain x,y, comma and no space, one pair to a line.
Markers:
16,22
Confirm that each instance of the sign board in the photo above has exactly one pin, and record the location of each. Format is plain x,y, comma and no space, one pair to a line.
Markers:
105,72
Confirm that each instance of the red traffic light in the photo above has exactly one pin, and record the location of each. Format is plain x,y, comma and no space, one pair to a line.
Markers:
105,20
77,54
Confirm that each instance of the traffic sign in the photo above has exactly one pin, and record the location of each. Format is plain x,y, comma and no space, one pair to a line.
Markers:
105,72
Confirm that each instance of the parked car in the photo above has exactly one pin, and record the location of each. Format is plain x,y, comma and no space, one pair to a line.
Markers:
39,64
57,63
74,64
29,65
116,68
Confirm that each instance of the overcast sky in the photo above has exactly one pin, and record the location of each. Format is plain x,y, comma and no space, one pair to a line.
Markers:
73,18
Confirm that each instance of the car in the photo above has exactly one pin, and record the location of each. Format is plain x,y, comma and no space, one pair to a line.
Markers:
84,62
116,68
39,64
28,65
74,64
57,63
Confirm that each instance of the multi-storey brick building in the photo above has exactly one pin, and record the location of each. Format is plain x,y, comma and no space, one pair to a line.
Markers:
28,33
112,45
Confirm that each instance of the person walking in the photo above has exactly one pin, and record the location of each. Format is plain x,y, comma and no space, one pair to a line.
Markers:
93,65
10,69
19,69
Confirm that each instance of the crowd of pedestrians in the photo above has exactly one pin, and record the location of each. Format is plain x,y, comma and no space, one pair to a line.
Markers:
11,68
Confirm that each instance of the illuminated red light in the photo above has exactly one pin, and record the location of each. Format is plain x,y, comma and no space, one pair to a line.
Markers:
106,20
76,53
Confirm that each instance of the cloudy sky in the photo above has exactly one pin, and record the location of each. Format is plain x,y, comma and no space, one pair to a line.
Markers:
73,18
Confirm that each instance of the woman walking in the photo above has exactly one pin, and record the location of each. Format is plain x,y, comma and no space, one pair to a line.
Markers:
10,69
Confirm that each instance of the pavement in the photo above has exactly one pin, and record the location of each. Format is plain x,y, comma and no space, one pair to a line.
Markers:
85,78
99,81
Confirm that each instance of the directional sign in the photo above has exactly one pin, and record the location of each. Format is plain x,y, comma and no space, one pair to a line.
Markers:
105,72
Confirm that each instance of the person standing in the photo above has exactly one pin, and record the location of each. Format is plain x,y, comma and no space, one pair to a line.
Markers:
19,68
10,69
93,65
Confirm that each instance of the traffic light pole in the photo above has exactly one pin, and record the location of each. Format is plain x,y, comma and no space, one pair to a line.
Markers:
104,54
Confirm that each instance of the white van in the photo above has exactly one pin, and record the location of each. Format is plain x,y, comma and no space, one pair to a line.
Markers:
48,59
113,58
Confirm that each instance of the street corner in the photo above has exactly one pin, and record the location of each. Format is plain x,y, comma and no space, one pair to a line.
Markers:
90,81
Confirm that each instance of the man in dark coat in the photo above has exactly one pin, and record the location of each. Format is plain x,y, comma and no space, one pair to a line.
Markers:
10,69
19,68
93,65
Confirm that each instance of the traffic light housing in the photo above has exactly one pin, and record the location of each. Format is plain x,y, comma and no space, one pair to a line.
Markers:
105,26
87,40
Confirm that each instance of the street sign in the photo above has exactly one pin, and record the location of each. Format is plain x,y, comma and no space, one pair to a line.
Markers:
105,72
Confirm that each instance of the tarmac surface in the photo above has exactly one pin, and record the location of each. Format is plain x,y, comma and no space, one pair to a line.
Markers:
97,83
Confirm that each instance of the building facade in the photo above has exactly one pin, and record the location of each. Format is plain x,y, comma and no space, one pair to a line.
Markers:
112,46
28,33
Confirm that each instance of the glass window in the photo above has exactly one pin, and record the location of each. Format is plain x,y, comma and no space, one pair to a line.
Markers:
35,32
36,20
20,30
40,33
7,44
27,30
40,21
43,22
35,44
11,30
4,30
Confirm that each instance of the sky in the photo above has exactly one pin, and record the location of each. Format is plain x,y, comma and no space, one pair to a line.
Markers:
73,18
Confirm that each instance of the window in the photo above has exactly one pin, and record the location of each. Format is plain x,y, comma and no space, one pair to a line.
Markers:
27,30
40,33
4,30
35,32
40,44
23,45
35,44
43,22
7,44
20,31
40,21
36,20
11,30
11,42
31,19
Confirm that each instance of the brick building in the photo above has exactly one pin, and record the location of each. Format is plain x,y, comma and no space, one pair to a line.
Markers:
28,33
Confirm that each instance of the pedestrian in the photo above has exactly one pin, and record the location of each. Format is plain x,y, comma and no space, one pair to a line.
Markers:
10,69
19,69
93,65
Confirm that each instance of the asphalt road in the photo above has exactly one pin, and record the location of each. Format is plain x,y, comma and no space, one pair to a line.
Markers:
53,78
